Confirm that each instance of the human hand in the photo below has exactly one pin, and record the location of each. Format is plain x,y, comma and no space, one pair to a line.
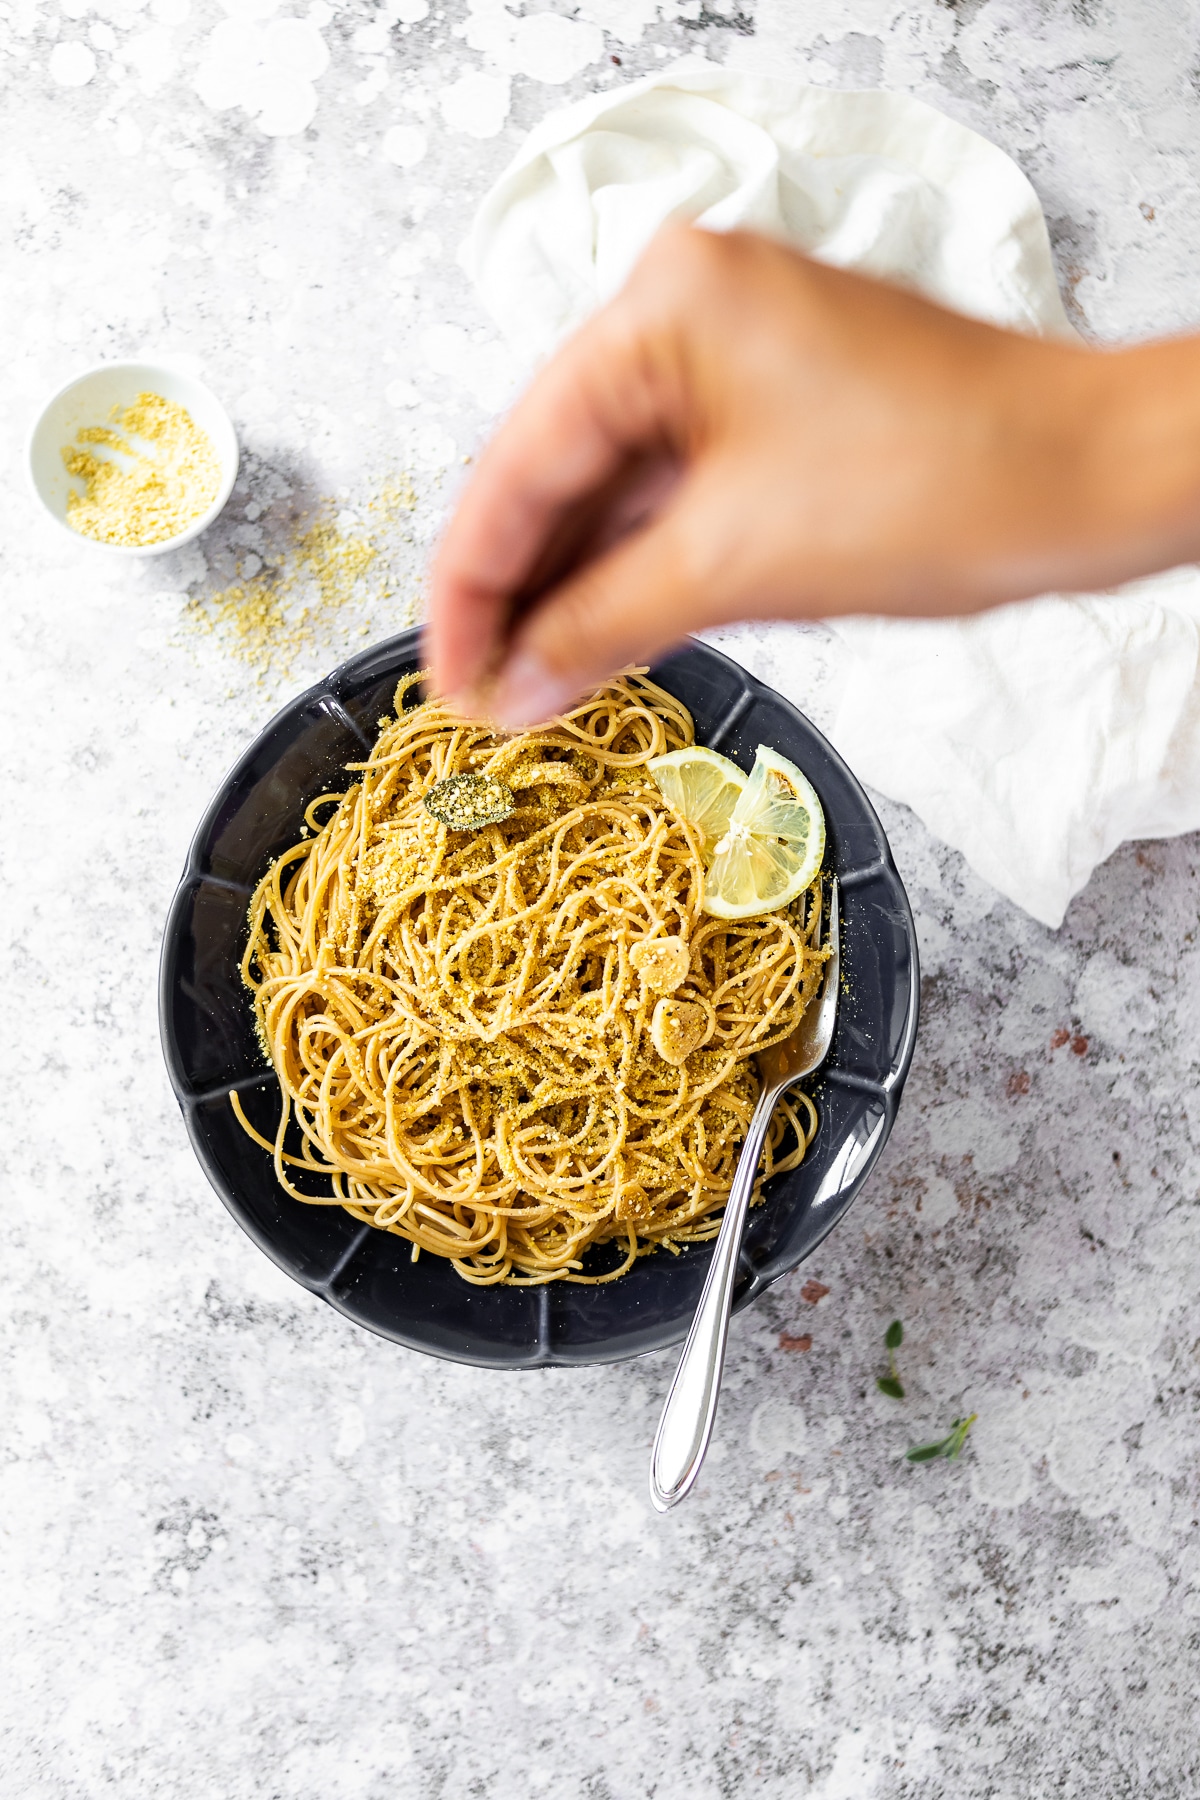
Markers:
745,433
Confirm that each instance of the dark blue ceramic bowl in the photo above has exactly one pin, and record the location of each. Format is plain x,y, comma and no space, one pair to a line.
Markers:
210,1047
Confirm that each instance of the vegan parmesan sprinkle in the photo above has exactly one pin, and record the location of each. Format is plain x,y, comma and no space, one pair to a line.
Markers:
147,491
272,619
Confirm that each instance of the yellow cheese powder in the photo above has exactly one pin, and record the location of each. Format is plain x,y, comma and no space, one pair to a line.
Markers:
287,613
142,495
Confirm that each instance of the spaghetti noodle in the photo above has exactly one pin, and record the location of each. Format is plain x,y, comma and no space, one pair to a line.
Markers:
510,1044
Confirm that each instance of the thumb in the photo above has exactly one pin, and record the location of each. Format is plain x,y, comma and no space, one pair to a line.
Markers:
626,606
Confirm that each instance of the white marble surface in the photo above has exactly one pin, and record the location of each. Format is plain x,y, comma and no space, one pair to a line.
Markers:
251,1551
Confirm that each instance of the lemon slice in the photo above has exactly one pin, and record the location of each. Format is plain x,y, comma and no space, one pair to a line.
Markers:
772,846
702,786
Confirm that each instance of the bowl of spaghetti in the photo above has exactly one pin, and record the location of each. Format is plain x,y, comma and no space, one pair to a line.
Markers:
411,993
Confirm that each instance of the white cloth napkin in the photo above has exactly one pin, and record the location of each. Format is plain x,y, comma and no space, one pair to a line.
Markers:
1035,738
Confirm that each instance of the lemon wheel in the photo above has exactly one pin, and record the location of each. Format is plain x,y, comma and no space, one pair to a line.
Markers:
764,834
773,845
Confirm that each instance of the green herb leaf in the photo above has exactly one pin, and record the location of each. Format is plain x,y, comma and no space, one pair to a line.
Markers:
958,1434
891,1384
949,1446
927,1452
468,802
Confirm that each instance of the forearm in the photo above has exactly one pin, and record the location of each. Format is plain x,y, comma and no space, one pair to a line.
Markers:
1141,480
1065,468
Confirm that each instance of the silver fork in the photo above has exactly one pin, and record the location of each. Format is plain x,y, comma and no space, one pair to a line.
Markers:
691,1409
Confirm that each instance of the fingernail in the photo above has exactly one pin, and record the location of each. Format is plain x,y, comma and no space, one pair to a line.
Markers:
527,693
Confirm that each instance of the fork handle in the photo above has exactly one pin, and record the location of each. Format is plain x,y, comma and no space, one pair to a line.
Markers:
691,1409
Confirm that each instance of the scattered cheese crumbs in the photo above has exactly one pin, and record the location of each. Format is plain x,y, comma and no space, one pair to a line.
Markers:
142,496
273,619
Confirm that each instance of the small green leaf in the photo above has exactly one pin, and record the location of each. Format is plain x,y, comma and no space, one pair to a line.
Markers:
895,1335
888,1384
468,802
926,1452
949,1447
958,1434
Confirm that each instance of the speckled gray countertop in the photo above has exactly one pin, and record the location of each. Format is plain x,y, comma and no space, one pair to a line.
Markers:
250,1551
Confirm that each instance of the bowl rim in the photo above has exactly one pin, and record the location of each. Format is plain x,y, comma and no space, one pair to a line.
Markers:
230,463
859,1160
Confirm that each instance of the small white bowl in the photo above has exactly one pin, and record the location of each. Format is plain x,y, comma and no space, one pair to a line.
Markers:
90,400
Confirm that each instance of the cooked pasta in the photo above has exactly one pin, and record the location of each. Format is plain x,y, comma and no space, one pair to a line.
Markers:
512,1043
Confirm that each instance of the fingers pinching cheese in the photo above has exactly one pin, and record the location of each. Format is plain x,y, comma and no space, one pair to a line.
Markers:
676,1028
661,963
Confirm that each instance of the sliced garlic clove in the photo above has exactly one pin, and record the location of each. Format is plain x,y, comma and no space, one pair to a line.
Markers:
661,963
676,1028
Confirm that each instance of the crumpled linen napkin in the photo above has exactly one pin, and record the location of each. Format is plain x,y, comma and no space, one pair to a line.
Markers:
1034,738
